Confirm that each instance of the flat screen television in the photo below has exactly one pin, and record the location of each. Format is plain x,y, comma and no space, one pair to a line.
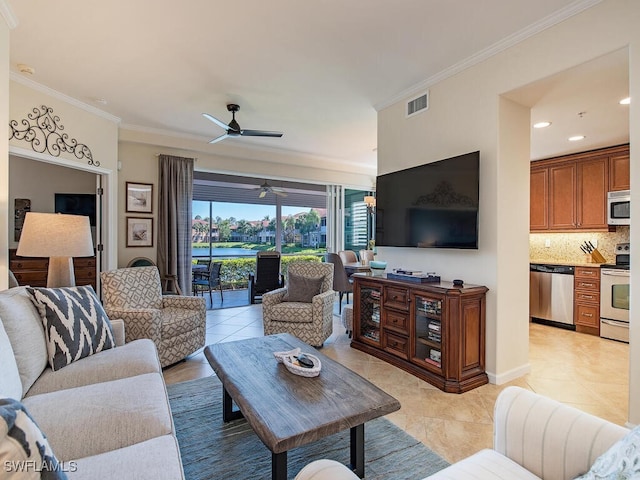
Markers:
77,204
430,206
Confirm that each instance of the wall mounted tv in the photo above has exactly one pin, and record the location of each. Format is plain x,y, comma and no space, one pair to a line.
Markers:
430,206
77,204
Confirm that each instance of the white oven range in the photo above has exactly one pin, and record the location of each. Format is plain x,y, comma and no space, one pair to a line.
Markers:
614,297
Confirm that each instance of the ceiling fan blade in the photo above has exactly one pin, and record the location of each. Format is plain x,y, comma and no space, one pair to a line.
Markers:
277,189
260,133
263,193
279,193
221,137
216,121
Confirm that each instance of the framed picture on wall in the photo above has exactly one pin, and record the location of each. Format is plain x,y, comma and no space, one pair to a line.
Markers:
139,232
139,197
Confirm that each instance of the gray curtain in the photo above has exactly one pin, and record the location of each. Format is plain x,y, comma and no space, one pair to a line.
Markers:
174,219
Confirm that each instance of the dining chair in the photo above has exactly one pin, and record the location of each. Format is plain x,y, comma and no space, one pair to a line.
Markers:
208,280
367,256
348,256
341,282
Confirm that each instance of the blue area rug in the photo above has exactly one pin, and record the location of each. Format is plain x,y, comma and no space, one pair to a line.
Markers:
211,449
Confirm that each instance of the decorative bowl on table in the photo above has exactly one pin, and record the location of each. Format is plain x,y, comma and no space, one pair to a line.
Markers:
377,267
291,361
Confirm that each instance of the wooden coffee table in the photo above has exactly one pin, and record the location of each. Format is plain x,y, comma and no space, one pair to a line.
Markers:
286,410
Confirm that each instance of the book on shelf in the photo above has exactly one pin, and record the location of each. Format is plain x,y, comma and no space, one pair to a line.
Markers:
433,362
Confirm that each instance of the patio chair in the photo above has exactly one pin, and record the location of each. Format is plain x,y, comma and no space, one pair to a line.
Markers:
267,276
208,280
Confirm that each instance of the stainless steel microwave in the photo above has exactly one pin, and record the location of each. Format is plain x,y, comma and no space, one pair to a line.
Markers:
619,207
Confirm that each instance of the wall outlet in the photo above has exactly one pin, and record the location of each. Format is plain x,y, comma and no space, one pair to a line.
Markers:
547,242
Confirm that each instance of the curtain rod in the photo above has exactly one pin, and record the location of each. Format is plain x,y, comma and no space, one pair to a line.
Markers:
158,154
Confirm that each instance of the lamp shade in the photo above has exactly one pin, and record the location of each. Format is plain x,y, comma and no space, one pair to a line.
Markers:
55,235
370,201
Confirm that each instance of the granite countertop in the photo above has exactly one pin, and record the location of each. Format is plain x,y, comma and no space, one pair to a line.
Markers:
555,262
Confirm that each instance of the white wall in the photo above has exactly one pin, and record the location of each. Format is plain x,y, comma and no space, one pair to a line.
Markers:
466,114
4,152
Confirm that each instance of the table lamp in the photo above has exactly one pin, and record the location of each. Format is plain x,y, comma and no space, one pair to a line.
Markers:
59,237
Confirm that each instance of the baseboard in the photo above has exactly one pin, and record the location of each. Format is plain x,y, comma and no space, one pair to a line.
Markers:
510,375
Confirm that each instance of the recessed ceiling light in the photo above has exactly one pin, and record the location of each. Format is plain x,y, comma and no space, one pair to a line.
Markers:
625,101
541,124
576,138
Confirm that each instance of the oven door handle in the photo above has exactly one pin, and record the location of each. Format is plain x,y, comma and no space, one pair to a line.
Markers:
616,273
615,323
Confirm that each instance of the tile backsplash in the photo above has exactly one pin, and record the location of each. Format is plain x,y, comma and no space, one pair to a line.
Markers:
565,247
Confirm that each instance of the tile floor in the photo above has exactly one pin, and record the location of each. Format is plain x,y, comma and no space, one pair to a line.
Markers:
585,371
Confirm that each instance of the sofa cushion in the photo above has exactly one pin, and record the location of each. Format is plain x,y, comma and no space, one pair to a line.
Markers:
24,327
622,460
24,449
484,465
302,289
134,358
90,420
10,384
76,325
157,458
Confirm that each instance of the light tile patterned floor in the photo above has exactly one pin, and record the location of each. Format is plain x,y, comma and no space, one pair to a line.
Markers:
585,371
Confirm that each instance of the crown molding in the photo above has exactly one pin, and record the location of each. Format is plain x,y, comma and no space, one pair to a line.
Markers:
8,15
564,13
16,77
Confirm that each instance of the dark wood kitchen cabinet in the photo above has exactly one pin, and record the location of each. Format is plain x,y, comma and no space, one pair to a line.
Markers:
576,189
619,173
539,205
586,300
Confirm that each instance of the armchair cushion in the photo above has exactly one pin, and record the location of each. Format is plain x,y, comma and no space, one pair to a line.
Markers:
302,289
76,325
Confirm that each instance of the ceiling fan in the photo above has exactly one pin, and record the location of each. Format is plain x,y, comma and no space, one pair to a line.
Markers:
234,130
266,188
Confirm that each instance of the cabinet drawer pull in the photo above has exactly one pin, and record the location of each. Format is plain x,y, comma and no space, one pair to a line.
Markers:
587,315
590,297
587,284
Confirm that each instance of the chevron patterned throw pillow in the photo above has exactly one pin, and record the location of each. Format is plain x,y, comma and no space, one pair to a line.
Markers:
75,324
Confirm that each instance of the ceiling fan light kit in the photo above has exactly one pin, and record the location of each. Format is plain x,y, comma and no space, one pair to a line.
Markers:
233,129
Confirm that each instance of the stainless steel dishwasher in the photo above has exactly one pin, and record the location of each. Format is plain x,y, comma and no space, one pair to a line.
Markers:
551,294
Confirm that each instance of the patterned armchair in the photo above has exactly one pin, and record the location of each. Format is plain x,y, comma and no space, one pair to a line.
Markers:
310,322
176,324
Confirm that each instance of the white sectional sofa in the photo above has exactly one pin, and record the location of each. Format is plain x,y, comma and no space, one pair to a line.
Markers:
534,437
106,416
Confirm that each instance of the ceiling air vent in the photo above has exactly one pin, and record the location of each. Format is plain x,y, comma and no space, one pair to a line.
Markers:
418,104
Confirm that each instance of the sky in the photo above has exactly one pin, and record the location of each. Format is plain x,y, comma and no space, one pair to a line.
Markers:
241,211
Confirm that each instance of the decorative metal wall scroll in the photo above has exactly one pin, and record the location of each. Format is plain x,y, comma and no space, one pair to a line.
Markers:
43,130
